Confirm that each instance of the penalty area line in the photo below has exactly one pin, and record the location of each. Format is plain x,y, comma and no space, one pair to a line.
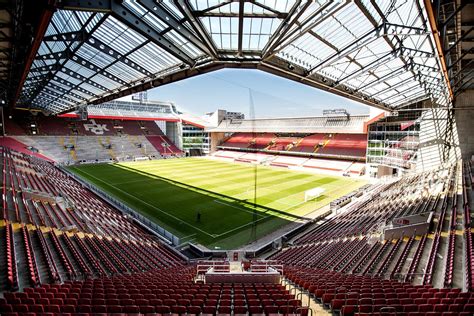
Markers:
150,205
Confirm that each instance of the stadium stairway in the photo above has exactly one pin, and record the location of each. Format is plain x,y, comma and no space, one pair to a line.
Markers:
425,273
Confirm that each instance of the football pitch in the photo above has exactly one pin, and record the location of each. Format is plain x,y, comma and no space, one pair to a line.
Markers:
172,192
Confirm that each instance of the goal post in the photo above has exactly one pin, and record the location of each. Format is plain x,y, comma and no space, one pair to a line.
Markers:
313,194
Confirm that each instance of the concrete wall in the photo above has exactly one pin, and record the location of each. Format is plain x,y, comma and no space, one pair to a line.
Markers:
464,115
174,133
215,139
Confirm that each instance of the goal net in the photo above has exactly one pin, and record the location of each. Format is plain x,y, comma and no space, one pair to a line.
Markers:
313,194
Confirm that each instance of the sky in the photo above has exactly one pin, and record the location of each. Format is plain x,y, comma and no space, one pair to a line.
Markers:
230,89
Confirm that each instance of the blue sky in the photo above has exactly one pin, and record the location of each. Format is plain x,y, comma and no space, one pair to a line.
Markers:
272,96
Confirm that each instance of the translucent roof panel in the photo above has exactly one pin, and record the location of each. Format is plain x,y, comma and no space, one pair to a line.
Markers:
382,53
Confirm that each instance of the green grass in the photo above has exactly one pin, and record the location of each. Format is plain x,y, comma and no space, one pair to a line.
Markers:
172,191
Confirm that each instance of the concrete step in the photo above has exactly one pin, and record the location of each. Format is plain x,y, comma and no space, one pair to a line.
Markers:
21,261
3,259
41,259
55,257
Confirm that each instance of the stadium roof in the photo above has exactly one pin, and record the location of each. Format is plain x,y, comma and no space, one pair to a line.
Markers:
382,53
315,124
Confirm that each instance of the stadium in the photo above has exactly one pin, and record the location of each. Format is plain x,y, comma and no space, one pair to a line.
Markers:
117,204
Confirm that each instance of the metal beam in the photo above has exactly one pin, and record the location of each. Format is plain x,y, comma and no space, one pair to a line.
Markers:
52,67
85,63
469,51
106,49
277,66
77,47
237,15
241,26
439,48
381,79
385,58
392,87
78,76
186,9
285,26
319,16
45,19
135,22
76,36
170,78
349,48
177,26
446,51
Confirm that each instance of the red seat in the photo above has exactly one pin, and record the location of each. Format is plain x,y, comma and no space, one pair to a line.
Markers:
410,308
209,310
271,309
225,309
53,309
178,309
424,308
114,309
255,310
348,310
163,309
196,310
23,308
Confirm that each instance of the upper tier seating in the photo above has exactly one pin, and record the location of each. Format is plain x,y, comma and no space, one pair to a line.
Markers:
239,140
54,126
262,140
309,143
354,145
345,146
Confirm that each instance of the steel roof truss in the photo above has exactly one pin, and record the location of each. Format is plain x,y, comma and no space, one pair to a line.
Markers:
129,18
81,61
186,10
104,48
385,58
176,25
76,36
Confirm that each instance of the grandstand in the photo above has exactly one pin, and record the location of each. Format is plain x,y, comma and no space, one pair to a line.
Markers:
393,238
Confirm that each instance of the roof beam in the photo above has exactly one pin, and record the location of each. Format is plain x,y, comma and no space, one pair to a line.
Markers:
295,12
385,58
176,25
186,9
395,86
87,64
45,19
80,77
245,15
60,65
384,78
106,49
364,40
135,22
317,17
77,36
131,19
241,26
